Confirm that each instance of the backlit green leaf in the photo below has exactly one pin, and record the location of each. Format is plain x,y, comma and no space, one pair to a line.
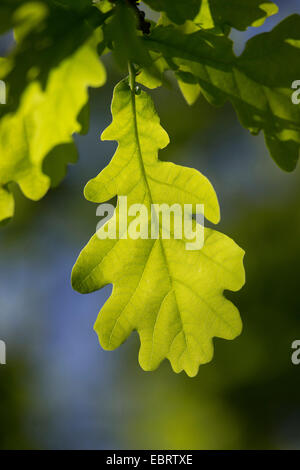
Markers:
172,297
177,10
122,32
7,205
44,123
239,14
46,34
47,76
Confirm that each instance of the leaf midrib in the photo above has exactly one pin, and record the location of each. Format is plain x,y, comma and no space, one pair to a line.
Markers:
141,163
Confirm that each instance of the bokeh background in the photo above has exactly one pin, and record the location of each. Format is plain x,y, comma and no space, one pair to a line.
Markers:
60,390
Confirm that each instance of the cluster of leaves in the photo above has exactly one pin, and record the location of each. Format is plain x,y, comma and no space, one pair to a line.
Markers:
172,297
46,75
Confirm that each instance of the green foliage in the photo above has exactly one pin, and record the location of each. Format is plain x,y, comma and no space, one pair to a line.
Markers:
177,10
172,297
234,13
44,121
42,112
46,35
258,83
121,32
